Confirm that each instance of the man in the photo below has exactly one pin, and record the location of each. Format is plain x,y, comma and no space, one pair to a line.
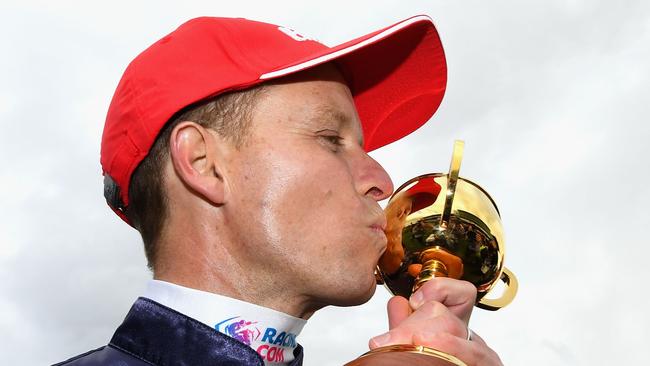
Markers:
238,149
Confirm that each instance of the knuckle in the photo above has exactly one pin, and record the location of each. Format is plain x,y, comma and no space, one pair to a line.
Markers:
469,289
433,308
435,286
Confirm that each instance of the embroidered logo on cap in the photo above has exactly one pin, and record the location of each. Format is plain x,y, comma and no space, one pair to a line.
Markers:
295,35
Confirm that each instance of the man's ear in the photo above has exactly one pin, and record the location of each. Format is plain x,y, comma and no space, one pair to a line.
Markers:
194,154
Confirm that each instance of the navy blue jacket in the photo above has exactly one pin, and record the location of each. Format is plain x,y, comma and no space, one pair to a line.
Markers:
153,334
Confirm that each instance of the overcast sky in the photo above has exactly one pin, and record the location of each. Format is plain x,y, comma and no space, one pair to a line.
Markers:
552,98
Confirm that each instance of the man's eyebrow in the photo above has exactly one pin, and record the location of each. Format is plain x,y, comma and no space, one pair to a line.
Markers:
328,113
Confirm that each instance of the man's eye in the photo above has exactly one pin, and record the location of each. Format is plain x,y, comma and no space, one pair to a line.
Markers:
335,140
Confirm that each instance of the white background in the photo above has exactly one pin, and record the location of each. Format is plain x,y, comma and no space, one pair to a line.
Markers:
552,98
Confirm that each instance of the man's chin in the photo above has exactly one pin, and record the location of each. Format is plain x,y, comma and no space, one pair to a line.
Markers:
359,296
368,295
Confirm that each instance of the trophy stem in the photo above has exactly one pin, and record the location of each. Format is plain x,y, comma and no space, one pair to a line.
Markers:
430,269
437,262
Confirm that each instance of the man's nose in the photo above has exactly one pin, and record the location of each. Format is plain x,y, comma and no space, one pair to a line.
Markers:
373,180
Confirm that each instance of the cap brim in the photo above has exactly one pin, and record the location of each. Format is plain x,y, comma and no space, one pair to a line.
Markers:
397,76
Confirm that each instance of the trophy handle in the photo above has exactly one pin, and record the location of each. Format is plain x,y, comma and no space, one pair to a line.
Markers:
510,281
452,180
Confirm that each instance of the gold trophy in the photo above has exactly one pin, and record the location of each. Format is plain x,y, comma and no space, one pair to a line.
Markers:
440,225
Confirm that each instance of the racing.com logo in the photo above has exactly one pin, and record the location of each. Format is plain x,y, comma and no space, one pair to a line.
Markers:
240,329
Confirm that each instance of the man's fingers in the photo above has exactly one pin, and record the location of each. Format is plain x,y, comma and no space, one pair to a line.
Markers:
473,353
398,311
432,317
436,316
458,296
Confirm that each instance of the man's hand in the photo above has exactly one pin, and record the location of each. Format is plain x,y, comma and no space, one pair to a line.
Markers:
437,316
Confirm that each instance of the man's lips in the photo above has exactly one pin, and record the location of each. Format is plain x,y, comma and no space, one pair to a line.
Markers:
379,224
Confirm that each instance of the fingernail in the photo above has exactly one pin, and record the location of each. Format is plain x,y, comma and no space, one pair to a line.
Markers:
381,340
416,299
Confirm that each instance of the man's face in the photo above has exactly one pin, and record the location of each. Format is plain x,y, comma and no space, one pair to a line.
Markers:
302,202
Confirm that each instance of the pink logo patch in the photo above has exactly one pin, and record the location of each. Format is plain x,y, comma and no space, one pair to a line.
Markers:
240,329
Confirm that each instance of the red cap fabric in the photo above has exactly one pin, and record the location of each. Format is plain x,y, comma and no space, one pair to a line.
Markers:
397,76
424,193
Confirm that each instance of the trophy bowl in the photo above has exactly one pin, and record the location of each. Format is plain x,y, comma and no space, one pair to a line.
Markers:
424,241
441,225
444,225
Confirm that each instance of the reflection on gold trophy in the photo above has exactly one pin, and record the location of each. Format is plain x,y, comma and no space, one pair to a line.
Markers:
440,225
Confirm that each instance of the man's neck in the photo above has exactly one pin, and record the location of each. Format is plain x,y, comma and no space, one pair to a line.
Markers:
244,289
209,262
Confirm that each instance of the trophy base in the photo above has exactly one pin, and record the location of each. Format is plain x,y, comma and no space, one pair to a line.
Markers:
406,354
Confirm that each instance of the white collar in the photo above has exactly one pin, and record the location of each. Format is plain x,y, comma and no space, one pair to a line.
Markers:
269,332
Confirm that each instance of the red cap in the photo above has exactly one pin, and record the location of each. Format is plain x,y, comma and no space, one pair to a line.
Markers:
397,76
